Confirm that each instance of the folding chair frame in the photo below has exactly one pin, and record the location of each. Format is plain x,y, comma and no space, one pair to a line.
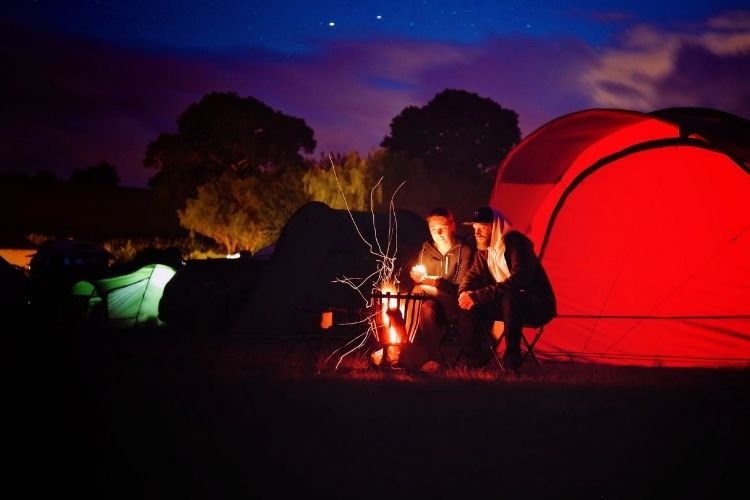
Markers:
529,352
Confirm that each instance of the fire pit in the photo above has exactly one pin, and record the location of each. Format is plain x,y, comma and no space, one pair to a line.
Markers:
396,318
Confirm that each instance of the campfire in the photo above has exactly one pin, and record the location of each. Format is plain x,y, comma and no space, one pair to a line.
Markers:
392,329
392,317
396,319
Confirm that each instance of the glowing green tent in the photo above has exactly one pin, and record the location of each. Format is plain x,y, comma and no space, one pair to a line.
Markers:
122,302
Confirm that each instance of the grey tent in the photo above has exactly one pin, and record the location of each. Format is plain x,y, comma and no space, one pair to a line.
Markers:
318,245
206,295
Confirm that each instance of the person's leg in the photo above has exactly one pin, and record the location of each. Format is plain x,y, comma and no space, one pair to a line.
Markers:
470,326
432,327
479,323
514,312
537,310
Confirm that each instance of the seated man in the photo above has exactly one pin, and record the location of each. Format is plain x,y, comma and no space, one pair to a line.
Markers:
438,268
505,282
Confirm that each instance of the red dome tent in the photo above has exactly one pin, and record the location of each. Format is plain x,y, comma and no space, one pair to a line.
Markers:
643,224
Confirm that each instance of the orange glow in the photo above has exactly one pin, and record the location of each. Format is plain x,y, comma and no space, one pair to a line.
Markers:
393,336
326,320
392,303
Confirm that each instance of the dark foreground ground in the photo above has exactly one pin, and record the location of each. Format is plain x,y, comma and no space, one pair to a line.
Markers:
213,417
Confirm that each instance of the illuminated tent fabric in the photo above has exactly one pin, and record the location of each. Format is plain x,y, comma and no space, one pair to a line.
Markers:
125,301
643,224
318,245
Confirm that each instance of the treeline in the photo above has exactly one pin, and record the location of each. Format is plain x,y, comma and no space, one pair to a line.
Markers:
102,174
236,169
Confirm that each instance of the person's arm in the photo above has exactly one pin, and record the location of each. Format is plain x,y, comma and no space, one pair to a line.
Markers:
435,281
475,274
466,259
522,262
520,259
474,281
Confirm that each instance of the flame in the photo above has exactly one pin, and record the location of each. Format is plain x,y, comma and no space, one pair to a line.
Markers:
385,251
391,303
326,320
393,337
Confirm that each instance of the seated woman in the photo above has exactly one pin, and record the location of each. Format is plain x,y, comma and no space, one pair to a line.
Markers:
437,270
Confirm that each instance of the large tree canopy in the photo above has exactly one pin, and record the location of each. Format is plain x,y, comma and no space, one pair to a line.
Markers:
224,132
101,174
248,213
244,214
354,184
457,132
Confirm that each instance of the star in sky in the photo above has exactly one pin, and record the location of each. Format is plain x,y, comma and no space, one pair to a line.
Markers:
100,80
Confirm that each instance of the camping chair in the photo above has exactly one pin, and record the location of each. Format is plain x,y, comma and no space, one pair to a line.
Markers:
493,343
527,348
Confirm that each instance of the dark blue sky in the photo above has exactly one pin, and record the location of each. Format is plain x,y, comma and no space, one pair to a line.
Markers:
99,80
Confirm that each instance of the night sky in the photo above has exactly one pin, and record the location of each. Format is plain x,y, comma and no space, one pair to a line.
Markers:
86,81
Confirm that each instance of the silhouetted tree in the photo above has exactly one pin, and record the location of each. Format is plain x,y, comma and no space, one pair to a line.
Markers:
415,187
221,133
14,177
41,178
45,178
457,132
101,174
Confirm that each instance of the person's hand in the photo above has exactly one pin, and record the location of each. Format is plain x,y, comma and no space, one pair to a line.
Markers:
465,301
418,273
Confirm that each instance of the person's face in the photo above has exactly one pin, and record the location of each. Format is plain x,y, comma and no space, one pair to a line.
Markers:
482,234
441,229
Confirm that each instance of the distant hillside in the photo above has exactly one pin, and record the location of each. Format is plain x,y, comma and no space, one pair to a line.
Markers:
84,212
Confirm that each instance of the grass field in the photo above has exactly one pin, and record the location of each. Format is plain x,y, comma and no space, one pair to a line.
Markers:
217,417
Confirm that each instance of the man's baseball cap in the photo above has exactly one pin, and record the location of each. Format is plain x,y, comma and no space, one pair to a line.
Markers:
482,214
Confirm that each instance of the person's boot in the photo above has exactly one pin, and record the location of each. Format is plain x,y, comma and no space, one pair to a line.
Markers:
477,359
512,361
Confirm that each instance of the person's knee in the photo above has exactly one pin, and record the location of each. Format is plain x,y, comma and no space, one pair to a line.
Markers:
429,305
512,300
424,290
430,309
